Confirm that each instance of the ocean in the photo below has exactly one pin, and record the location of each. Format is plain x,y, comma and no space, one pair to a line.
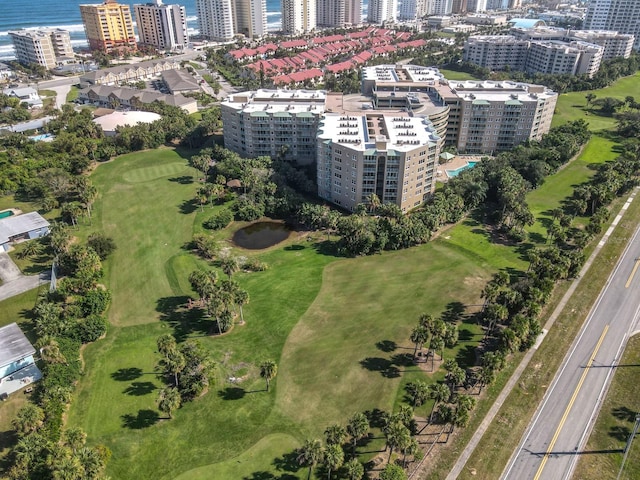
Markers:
17,14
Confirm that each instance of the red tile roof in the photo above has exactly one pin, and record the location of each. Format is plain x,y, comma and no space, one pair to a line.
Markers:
294,44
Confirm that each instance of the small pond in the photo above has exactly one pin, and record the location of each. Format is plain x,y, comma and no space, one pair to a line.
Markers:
261,235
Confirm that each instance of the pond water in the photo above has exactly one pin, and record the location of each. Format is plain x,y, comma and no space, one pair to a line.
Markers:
261,235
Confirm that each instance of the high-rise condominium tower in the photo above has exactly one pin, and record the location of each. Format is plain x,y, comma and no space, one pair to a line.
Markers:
108,26
381,11
43,47
298,16
338,13
250,17
215,19
162,26
622,16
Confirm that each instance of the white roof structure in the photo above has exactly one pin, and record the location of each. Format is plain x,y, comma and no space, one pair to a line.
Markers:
272,101
110,122
13,345
20,224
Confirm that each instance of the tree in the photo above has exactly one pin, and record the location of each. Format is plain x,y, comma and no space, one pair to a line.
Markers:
242,298
354,469
166,343
419,335
357,427
169,400
173,363
418,391
310,454
438,392
50,350
30,249
397,434
229,265
28,419
335,434
74,438
333,458
393,472
101,244
268,371
590,98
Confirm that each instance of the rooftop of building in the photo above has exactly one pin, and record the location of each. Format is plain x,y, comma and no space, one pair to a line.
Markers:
500,90
37,32
280,100
13,344
398,131
403,73
526,22
110,122
20,224
177,80
93,76
144,96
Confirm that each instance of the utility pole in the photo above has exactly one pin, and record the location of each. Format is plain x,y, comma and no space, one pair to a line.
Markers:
628,446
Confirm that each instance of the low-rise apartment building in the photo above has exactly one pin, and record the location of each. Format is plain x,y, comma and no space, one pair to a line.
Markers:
128,73
131,98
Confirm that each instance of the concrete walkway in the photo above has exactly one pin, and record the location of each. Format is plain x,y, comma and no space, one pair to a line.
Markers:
493,411
61,94
14,282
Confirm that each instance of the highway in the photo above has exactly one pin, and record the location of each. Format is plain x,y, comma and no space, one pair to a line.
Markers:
557,434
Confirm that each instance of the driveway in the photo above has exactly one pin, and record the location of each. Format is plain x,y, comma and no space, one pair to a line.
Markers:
14,282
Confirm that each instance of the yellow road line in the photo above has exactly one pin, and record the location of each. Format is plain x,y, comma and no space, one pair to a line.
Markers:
571,402
633,272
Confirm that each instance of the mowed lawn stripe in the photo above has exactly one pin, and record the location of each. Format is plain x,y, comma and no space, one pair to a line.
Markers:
145,174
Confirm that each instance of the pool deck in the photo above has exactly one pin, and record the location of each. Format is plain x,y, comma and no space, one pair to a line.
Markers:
456,162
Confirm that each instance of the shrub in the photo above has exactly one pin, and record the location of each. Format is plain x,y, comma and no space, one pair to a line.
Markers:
255,265
101,244
95,302
220,220
91,328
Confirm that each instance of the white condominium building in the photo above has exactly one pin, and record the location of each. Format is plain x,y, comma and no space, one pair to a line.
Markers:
338,13
498,116
43,47
273,122
615,44
392,155
556,57
414,9
476,6
621,16
381,11
442,7
298,16
502,52
162,26
250,17
215,19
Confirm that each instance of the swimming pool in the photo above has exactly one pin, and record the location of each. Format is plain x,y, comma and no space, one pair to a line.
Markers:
456,172
45,137
6,213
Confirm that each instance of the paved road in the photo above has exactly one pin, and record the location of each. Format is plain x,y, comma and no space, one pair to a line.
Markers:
14,282
558,432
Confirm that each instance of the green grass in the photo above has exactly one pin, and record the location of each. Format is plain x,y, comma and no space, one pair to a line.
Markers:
614,424
322,325
456,75
73,94
572,106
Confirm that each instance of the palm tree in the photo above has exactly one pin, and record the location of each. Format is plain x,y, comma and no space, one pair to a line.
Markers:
333,458
242,298
50,350
419,392
74,438
30,249
590,98
447,415
229,265
486,377
169,400
335,434
268,371
437,343
173,363
354,469
419,335
310,454
397,435
88,196
166,343
374,202
28,419
357,427
438,392
92,462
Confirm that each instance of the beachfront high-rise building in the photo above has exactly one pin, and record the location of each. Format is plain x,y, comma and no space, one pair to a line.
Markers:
459,6
108,26
250,17
442,7
476,6
162,26
381,11
414,9
44,47
622,16
298,16
215,19
338,13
